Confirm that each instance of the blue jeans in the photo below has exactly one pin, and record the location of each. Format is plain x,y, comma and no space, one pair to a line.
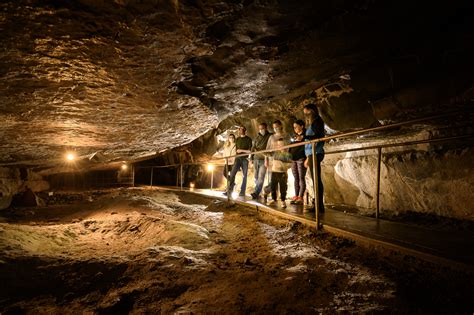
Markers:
240,163
260,171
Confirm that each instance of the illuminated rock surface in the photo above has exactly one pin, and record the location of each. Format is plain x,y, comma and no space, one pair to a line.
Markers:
132,78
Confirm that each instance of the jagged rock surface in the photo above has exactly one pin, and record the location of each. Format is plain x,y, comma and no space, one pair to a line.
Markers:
133,78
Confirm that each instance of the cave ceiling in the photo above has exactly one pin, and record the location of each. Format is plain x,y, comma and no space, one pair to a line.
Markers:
128,79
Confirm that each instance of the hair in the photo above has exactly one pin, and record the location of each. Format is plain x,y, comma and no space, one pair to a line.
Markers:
227,142
243,127
312,107
278,122
299,122
263,124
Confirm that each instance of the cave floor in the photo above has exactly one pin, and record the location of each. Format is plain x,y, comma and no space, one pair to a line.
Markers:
136,251
440,242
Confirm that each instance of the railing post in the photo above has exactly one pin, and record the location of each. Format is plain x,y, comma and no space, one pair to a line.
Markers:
133,176
177,177
227,178
181,174
212,178
379,161
315,183
151,177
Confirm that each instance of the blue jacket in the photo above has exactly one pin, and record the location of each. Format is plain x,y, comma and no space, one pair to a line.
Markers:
315,131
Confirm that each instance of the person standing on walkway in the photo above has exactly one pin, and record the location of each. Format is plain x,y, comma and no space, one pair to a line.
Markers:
229,150
314,130
260,170
297,166
271,144
280,165
243,144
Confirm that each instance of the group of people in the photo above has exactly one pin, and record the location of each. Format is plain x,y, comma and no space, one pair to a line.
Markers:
276,163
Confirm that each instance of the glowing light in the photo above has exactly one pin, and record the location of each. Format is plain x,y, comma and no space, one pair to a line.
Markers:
191,185
210,167
70,157
124,167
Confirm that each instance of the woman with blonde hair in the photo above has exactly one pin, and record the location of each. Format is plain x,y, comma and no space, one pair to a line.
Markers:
229,150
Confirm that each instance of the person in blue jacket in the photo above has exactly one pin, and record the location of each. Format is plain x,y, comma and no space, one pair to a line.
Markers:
314,130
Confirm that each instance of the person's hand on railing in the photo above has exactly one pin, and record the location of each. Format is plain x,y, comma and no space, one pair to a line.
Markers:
239,151
306,163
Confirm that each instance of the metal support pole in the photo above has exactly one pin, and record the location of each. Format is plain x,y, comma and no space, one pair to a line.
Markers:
212,178
227,177
177,177
181,174
379,161
133,176
151,177
315,183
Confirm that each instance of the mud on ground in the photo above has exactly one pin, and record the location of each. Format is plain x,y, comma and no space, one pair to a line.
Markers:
135,251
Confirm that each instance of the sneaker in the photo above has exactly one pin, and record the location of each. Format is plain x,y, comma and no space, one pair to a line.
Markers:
293,200
309,207
271,203
283,204
298,201
254,196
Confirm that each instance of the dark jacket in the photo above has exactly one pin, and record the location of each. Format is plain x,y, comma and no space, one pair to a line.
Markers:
297,153
260,143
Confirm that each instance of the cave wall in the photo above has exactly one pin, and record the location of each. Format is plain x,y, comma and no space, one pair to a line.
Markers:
425,179
17,181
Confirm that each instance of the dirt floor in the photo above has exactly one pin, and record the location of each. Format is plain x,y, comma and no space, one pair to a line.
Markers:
135,251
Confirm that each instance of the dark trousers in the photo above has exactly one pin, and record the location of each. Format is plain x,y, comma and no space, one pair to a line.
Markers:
299,173
226,171
319,159
279,179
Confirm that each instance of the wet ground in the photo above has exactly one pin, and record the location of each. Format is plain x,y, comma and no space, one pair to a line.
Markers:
141,251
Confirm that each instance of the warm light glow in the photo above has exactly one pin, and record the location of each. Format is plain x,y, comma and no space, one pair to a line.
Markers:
210,167
191,185
124,167
70,156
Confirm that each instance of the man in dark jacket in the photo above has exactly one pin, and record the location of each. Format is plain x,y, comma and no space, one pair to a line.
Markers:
260,143
243,144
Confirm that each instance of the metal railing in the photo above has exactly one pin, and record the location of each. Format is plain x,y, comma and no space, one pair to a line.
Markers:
313,143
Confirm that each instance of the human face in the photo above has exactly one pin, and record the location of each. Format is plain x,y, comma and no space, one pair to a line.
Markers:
297,128
232,139
262,130
241,131
278,129
308,115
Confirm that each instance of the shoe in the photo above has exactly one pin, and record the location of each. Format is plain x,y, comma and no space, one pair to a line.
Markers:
298,201
283,204
271,203
254,196
309,207
241,195
293,200
265,197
